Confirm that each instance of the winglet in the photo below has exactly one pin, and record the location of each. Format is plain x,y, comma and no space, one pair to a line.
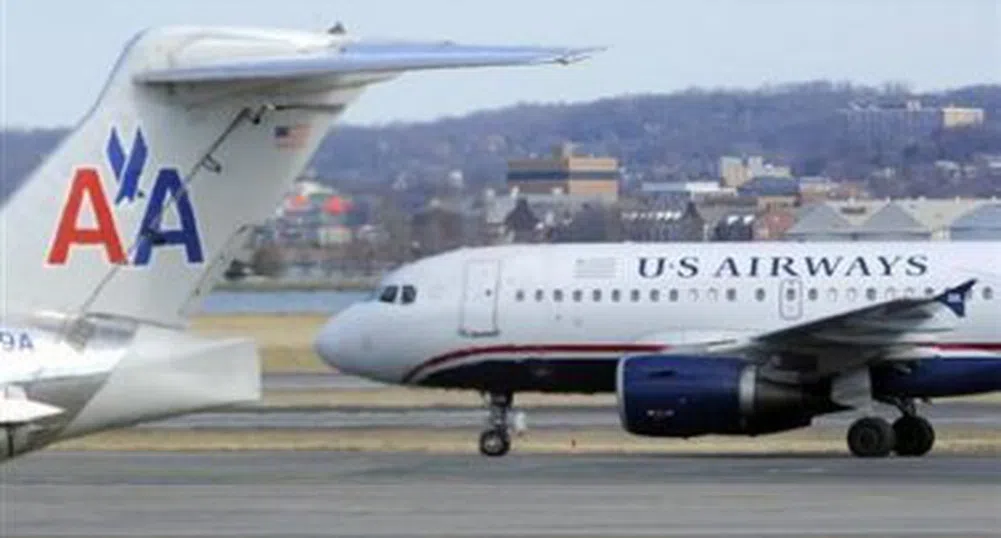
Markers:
955,298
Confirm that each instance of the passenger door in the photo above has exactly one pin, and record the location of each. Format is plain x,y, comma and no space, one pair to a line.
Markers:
479,298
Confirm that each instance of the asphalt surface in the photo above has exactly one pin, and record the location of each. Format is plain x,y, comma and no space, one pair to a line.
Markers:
289,493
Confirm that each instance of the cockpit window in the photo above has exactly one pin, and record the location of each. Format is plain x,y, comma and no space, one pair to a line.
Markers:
408,295
388,294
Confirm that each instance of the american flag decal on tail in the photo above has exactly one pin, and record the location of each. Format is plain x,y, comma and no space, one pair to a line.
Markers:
292,136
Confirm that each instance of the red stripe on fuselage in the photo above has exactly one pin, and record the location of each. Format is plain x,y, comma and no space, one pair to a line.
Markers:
530,348
984,346
465,353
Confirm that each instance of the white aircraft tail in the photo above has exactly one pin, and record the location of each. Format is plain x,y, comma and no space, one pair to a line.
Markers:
195,138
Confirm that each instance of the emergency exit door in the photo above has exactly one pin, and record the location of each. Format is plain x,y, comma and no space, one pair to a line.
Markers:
479,298
791,299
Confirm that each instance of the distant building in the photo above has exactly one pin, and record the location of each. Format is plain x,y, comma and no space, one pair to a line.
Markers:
774,223
903,122
680,192
813,189
550,210
772,192
521,225
954,117
440,227
736,171
664,224
567,173
887,220
981,224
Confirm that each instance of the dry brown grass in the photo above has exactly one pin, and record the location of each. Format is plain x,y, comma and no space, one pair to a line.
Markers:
285,341
395,397
589,440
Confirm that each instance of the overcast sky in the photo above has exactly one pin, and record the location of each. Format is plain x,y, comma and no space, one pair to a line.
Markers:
56,54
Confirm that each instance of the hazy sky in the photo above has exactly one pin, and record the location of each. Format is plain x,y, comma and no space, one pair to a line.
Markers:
55,54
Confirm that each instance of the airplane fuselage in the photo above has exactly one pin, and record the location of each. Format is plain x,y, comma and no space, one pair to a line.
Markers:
558,317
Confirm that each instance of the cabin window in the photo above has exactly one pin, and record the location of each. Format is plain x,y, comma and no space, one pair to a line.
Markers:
731,294
929,291
596,296
673,295
832,295
654,295
634,295
558,296
713,295
693,294
388,294
790,294
759,294
616,296
577,296
408,294
891,293
852,295
519,295
812,294
871,294
540,295
988,293
910,292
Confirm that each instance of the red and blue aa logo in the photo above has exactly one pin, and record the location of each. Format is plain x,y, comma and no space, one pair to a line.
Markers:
87,192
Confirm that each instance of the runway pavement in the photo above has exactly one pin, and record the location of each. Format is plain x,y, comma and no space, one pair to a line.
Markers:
287,493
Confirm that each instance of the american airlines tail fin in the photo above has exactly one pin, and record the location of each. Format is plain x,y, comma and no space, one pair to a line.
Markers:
194,139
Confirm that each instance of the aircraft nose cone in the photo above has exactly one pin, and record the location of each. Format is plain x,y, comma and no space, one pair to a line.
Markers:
339,343
329,343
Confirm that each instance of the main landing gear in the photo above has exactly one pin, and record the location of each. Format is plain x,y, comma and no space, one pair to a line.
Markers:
875,437
496,439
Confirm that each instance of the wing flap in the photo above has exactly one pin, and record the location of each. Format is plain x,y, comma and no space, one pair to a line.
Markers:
362,58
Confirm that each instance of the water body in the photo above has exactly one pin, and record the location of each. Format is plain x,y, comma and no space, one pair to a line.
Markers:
280,302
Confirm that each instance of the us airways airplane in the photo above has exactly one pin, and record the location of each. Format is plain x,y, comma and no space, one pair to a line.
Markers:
117,236
703,338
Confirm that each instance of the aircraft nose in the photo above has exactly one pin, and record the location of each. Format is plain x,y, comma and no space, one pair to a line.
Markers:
328,344
336,344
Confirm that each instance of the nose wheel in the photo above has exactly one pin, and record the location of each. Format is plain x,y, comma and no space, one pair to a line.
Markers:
910,435
496,439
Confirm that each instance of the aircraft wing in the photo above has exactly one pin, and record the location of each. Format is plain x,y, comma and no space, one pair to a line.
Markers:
362,58
876,330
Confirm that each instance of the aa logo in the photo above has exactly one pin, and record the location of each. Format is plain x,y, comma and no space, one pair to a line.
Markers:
87,192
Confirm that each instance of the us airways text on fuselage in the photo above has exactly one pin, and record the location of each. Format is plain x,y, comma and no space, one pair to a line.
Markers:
911,265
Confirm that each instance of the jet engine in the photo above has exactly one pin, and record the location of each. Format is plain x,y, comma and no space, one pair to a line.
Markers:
685,396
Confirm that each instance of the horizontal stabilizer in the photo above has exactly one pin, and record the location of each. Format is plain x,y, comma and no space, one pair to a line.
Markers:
361,58
16,411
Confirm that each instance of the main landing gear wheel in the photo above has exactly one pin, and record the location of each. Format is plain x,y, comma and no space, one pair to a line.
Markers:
871,437
496,439
915,436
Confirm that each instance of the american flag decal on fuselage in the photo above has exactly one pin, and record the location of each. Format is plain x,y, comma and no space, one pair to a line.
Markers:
292,136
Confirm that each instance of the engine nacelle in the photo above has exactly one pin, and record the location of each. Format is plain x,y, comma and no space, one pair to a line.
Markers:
685,396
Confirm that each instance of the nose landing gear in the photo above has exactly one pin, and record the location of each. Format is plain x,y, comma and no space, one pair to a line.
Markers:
496,439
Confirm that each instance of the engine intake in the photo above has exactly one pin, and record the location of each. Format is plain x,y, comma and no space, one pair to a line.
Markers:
685,396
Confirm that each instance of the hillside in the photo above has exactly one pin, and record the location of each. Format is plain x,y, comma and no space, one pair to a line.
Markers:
675,136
